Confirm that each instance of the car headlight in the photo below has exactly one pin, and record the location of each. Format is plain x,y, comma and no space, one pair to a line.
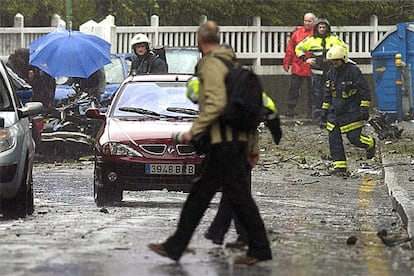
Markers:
119,150
7,138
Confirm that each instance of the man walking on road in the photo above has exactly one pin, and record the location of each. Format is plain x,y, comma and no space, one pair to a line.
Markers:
226,163
300,70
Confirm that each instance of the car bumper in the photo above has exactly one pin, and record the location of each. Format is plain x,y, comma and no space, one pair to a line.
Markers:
132,176
10,176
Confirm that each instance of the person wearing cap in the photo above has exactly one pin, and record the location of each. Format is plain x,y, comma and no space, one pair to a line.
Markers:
345,108
317,45
146,61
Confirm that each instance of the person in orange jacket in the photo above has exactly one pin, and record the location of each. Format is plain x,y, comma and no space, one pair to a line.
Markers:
300,70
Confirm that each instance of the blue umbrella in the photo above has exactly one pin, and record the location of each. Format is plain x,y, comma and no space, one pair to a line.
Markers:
64,53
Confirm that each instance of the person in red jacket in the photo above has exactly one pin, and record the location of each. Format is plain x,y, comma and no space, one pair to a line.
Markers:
300,70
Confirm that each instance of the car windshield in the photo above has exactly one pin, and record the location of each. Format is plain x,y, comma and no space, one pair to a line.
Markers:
182,60
115,71
154,99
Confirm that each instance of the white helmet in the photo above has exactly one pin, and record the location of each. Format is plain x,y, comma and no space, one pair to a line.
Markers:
140,38
337,52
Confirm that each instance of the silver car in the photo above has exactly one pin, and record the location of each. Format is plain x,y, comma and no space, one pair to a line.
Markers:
17,150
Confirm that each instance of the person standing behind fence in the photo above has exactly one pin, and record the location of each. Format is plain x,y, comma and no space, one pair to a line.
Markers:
226,164
300,70
317,45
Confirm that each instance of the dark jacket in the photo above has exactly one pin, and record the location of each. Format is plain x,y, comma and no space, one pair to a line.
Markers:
148,63
346,93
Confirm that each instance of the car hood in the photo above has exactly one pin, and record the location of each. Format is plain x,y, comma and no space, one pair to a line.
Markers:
144,129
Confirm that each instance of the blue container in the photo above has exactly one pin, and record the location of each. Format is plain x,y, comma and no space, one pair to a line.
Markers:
398,40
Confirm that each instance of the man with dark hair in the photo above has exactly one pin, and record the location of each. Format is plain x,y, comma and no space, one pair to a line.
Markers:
43,85
227,162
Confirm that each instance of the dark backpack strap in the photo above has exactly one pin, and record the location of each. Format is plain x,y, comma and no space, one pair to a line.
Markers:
226,62
222,123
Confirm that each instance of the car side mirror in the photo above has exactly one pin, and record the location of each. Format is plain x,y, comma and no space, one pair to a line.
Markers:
30,108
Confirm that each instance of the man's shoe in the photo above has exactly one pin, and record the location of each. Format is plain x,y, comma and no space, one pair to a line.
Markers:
214,239
246,260
236,244
160,250
371,151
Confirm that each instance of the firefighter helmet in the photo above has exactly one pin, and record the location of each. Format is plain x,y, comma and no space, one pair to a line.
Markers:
337,52
140,38
193,89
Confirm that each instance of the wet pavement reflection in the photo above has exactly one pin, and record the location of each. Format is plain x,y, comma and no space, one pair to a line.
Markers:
317,224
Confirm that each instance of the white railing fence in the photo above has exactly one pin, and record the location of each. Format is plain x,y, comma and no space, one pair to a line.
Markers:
262,47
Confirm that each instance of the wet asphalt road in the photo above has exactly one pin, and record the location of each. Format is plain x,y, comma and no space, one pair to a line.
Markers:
309,216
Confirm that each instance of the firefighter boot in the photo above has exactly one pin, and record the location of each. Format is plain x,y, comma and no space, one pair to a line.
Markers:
371,151
341,172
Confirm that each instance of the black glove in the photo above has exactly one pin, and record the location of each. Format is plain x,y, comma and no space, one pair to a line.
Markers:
323,119
274,126
364,113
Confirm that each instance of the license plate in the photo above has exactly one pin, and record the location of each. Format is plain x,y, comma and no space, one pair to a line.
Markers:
174,169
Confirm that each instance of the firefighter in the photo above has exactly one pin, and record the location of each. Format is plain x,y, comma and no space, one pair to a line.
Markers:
317,45
346,106
146,61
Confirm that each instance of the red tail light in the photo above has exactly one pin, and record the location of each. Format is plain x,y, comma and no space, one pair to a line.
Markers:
38,123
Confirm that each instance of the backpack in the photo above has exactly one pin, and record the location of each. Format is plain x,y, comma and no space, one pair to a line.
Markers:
244,110
160,52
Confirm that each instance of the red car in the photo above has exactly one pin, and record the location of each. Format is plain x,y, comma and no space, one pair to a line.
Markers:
134,149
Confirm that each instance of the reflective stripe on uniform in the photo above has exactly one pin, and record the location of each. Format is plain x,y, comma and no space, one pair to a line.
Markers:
365,103
268,103
339,164
351,126
325,105
367,140
346,128
346,95
329,126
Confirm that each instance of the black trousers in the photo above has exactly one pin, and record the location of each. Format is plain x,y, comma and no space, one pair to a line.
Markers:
296,83
336,146
225,214
225,166
316,94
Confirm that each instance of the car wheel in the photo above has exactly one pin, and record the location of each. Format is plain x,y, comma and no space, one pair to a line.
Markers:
106,196
17,207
